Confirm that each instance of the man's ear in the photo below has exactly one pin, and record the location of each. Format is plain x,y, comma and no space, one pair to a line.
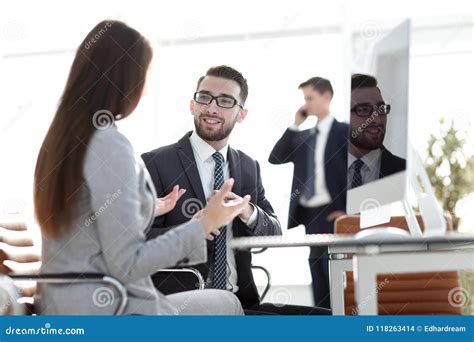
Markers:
191,106
242,115
327,96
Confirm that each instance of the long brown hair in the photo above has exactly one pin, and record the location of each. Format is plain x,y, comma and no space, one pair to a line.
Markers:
105,83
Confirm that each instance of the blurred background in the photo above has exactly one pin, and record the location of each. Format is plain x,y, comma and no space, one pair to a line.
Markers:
276,45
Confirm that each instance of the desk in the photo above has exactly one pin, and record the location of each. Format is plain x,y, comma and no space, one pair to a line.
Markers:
419,254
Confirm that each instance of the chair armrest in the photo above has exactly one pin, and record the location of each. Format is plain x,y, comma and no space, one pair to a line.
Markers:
269,280
259,250
77,278
201,282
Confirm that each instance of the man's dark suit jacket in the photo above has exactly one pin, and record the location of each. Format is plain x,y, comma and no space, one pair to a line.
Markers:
390,163
292,147
175,165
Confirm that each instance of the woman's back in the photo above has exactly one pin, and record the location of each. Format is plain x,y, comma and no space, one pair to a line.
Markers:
116,204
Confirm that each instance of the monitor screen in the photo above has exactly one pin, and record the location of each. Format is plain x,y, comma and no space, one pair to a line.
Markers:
378,134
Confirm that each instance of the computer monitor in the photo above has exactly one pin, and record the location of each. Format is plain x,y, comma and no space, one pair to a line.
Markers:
378,135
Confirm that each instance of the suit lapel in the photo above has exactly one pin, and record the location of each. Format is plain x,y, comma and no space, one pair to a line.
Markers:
330,144
236,173
235,170
186,156
385,167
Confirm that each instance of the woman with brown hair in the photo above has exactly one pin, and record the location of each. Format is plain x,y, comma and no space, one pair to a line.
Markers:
94,201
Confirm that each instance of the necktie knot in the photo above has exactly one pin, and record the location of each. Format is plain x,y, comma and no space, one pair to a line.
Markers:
218,158
357,176
358,165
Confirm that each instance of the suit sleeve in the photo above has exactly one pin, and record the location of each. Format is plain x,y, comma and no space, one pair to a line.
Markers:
267,222
284,149
158,227
127,254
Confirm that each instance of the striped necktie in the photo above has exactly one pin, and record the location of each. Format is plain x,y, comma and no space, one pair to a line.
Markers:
357,176
219,280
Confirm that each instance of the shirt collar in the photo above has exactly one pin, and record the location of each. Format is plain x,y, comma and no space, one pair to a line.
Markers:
325,124
370,160
203,149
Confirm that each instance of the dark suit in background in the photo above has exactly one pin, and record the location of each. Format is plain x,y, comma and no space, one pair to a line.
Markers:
390,163
293,147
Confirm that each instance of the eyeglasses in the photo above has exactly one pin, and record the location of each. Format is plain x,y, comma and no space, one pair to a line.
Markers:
365,110
221,101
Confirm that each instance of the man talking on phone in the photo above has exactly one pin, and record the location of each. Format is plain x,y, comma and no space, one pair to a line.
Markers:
318,192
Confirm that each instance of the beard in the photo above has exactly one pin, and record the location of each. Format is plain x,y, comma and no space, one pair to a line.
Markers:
217,134
365,140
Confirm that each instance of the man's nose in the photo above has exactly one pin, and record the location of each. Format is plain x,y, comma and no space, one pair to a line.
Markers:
377,118
212,107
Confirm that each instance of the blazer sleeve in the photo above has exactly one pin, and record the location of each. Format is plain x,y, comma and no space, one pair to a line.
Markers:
284,149
158,226
267,222
121,223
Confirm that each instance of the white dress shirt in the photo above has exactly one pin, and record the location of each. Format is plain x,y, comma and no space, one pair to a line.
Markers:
321,196
370,171
205,164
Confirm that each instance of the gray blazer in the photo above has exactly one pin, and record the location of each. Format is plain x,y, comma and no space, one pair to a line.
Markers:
116,209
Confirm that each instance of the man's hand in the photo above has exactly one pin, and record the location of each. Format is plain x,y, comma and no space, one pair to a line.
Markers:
300,116
165,204
218,211
334,215
247,211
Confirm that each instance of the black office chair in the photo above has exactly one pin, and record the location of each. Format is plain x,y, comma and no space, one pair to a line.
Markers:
173,280
265,271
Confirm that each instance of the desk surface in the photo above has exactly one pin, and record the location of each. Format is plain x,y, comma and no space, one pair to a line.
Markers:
345,240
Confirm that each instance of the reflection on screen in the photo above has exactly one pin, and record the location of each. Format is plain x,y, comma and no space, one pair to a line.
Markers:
376,127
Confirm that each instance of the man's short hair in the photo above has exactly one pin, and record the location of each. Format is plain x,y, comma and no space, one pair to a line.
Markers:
228,73
320,84
363,81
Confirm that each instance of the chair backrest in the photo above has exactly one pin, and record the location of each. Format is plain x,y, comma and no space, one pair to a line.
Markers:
404,293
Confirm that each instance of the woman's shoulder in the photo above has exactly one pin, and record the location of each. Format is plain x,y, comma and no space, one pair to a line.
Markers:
109,145
107,137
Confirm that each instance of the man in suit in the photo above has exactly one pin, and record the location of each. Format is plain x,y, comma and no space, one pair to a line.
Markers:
319,183
368,158
199,162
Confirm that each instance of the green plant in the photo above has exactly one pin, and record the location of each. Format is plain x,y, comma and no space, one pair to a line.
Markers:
450,166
